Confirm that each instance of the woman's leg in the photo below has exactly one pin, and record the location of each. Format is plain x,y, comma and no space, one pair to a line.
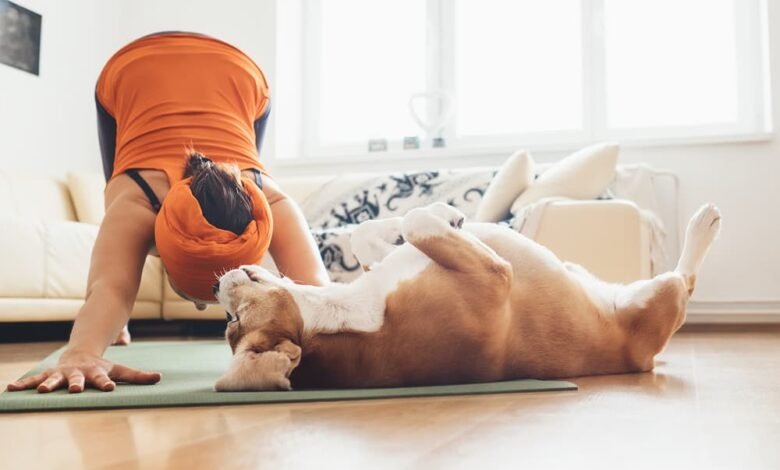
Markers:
292,246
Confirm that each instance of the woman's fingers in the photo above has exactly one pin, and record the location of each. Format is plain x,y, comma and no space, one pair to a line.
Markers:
100,380
125,374
75,382
53,382
77,378
29,382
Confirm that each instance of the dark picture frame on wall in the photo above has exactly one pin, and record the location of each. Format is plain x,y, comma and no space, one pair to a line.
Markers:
20,37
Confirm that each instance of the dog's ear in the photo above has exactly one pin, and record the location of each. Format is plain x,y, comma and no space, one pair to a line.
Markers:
291,350
251,370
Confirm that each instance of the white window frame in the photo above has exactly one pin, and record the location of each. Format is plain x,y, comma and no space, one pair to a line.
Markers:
753,123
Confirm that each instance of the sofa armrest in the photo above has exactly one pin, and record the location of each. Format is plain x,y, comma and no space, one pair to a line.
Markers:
608,238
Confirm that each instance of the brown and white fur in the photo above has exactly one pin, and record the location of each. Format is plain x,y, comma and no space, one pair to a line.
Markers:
451,305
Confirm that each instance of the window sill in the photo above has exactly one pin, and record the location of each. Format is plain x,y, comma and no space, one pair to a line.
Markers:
350,160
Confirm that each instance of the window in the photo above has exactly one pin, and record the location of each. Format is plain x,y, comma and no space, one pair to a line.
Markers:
509,73
517,66
649,73
368,69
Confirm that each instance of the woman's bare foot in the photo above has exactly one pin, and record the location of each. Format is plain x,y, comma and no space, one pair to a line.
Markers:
123,339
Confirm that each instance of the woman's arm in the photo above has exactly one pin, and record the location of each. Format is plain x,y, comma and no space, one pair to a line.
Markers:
115,270
292,246
118,257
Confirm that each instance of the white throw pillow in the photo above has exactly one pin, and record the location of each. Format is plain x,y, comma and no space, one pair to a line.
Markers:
86,190
584,174
513,178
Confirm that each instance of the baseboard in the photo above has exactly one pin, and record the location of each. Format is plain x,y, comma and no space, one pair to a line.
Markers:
733,312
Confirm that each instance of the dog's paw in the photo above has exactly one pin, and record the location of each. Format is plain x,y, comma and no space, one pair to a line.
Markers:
431,221
373,240
387,230
705,224
254,371
702,230
449,214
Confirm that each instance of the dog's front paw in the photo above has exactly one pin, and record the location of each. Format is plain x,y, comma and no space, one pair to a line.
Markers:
253,371
431,221
229,384
449,214
704,226
387,230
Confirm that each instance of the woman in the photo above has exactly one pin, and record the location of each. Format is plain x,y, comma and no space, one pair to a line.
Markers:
181,118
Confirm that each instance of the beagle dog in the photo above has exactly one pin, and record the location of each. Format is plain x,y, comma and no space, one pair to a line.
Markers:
442,302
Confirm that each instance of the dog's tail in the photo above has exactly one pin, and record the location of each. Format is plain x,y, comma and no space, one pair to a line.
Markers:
702,230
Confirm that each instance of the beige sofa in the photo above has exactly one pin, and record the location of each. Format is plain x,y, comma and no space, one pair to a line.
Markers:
49,226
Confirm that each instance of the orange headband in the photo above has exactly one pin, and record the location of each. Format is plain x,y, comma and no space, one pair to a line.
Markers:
195,252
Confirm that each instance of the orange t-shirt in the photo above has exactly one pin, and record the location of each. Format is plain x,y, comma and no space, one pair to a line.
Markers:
174,91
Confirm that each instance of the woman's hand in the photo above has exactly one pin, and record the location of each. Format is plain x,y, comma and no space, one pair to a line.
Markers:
75,370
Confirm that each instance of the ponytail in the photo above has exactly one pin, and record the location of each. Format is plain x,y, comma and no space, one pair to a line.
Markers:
222,199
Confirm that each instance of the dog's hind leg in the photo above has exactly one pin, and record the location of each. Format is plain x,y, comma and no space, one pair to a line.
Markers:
702,230
652,310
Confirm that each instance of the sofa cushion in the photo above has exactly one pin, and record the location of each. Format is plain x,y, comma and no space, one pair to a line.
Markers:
86,190
43,259
33,196
512,179
68,247
584,174
23,251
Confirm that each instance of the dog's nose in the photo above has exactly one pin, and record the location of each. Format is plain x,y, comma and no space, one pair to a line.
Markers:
215,288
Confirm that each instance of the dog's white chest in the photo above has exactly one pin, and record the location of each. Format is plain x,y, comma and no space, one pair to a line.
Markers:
374,287
360,306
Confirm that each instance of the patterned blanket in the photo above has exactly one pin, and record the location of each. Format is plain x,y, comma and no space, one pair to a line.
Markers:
333,217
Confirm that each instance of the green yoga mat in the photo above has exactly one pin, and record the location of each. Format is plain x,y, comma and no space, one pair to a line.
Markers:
190,369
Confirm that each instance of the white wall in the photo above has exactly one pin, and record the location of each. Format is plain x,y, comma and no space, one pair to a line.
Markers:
248,25
47,123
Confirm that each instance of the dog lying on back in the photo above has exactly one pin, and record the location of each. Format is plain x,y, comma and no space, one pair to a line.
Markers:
442,302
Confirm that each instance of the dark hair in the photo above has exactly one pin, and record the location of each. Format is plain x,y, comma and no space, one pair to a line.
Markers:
222,199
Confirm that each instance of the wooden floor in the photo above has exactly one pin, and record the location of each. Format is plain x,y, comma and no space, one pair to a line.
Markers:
712,403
